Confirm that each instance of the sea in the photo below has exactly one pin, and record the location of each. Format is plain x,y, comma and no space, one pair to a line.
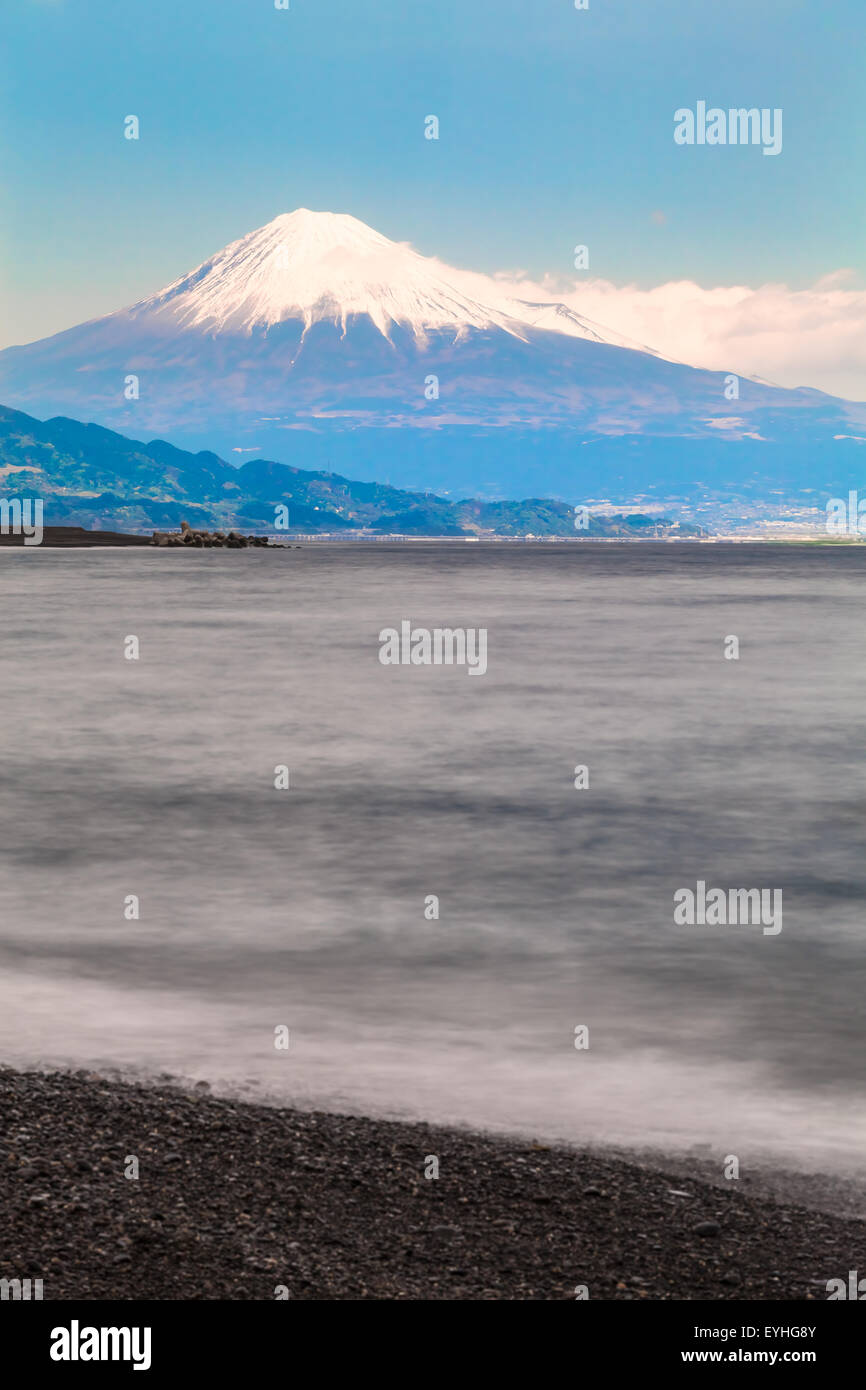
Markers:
241,849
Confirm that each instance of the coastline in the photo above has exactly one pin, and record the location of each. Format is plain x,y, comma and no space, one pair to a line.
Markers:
234,1200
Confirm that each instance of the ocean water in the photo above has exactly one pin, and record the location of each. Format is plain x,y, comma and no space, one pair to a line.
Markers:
306,907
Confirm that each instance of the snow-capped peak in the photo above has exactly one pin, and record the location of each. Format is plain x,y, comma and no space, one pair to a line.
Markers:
320,265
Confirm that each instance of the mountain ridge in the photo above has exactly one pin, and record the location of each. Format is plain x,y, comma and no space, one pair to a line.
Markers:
88,475
315,336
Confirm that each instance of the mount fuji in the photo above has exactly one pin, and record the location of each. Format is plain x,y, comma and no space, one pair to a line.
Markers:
318,342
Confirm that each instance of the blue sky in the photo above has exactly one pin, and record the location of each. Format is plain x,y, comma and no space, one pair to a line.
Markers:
556,129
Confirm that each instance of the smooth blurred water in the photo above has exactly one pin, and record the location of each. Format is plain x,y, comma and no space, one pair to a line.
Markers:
306,908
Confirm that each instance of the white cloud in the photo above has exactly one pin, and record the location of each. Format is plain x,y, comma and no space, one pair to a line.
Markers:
812,337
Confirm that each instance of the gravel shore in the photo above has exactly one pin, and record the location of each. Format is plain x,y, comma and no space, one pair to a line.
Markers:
233,1200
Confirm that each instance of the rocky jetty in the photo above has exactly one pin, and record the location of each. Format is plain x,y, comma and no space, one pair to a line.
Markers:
229,540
